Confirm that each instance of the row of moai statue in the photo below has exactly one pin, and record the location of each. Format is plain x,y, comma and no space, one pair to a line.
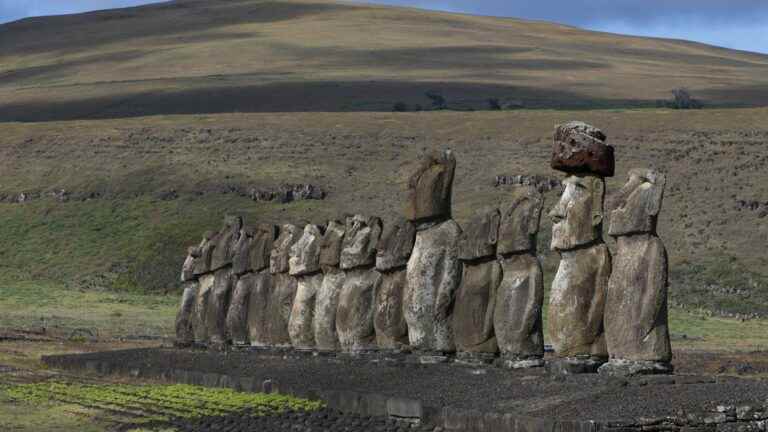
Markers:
423,285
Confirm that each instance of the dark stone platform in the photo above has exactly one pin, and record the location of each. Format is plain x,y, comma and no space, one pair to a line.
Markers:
454,396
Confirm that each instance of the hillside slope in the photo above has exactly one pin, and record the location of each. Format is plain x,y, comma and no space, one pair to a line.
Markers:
214,56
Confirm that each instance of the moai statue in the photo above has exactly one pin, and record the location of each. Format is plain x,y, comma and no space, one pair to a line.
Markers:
636,329
326,337
224,280
578,295
199,323
202,263
517,318
237,314
224,242
354,316
283,287
393,251
476,296
305,266
185,317
260,282
434,271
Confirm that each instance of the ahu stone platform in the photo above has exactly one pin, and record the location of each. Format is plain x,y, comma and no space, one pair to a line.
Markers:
456,397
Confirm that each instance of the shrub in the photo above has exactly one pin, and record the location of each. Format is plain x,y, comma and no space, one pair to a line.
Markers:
682,99
400,107
438,101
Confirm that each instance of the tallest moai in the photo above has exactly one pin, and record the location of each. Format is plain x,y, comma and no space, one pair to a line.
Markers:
578,295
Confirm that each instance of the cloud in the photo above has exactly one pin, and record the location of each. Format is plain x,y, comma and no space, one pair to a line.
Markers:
11,10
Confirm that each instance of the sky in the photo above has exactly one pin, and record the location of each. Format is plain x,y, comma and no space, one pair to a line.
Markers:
739,24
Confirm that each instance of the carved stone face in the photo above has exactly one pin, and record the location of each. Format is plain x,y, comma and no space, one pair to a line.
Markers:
264,236
279,256
520,222
305,254
578,216
480,235
359,246
635,208
430,188
395,246
330,247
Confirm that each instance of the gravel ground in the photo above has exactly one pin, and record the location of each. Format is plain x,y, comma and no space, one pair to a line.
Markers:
526,392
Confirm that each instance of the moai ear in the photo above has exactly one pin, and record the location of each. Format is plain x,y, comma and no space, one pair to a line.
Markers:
494,224
376,226
447,180
598,198
537,204
659,182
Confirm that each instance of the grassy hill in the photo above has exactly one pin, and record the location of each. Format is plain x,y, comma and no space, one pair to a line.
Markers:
218,56
149,118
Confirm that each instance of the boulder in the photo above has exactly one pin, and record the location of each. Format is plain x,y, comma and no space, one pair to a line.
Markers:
395,245
264,236
202,263
474,307
432,277
359,245
218,305
326,337
301,323
279,312
430,188
517,318
388,319
354,316
237,314
199,325
581,149
305,253
480,235
636,326
258,307
520,220
330,246
185,335
281,250
224,242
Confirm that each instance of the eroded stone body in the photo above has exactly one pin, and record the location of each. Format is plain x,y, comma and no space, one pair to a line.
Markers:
354,316
432,277
218,304
279,310
199,325
301,323
326,305
258,307
237,314
389,318
185,317
474,307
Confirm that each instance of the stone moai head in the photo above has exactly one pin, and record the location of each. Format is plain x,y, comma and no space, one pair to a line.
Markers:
480,236
330,246
359,245
520,222
430,188
264,236
577,219
281,248
224,249
205,249
188,269
305,253
635,208
395,245
241,262
580,148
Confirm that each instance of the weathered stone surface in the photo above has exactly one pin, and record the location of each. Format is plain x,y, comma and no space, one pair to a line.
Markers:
241,262
480,235
330,246
301,324
580,148
224,242
218,304
359,246
188,268
258,307
517,318
474,307
202,263
636,308
281,250
326,337
578,216
520,222
354,316
199,325
577,302
305,253
629,368
388,319
430,188
264,236
280,305
432,277
237,314
395,245
185,317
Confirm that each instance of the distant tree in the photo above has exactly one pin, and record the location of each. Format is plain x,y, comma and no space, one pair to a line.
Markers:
438,101
400,107
494,104
682,99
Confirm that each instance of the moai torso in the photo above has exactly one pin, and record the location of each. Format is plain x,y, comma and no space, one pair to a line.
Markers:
260,283
283,286
577,298
636,310
354,315
237,314
434,271
393,251
199,325
326,337
185,317
480,278
520,296
304,264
